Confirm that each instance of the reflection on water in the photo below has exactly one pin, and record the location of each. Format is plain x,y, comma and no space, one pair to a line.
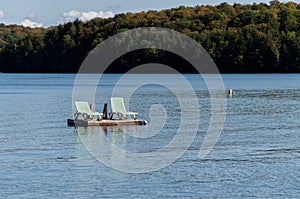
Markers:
100,139
109,145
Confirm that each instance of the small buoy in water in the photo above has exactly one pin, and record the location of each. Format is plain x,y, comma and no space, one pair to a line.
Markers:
230,92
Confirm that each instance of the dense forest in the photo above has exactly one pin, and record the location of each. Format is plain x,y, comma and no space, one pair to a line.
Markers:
240,38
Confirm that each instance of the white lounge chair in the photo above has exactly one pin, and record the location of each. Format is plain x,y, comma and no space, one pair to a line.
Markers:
84,110
118,109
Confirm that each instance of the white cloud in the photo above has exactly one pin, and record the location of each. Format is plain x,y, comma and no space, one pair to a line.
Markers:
32,24
85,16
31,16
1,14
72,14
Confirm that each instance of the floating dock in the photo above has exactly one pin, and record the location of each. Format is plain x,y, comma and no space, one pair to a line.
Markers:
85,123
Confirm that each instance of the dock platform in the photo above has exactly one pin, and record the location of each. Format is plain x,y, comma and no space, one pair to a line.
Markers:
85,123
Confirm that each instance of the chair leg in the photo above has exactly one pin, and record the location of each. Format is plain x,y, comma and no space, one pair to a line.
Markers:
120,116
85,116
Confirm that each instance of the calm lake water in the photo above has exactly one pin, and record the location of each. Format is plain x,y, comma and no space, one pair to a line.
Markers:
256,156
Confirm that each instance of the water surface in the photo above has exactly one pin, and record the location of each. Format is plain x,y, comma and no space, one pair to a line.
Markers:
257,155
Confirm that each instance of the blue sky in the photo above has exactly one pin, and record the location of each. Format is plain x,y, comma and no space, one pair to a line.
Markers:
45,13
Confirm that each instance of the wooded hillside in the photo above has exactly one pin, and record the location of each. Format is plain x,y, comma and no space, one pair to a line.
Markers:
240,38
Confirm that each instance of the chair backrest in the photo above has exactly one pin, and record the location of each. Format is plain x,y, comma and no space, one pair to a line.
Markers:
117,104
83,107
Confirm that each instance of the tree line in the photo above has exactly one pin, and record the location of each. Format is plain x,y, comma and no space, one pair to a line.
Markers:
251,38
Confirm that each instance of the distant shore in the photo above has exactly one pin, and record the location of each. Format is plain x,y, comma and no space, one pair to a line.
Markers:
257,38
